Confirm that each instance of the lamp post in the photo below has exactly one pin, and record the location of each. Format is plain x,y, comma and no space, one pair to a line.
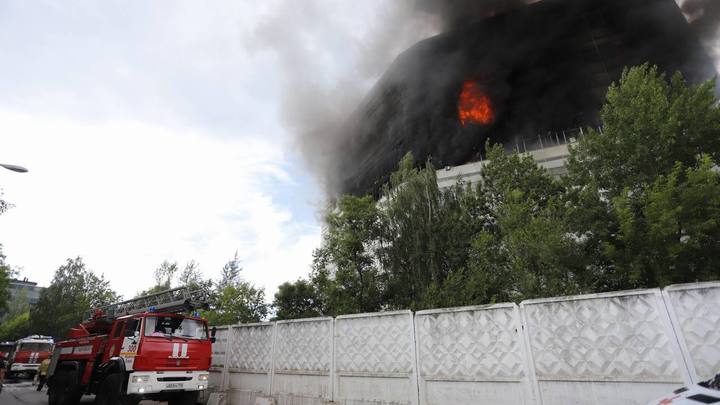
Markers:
14,168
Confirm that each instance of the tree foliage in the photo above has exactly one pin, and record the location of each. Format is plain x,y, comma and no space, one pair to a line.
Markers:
649,124
300,299
169,275
348,257
231,299
74,290
16,327
236,300
5,275
524,248
230,273
240,302
670,233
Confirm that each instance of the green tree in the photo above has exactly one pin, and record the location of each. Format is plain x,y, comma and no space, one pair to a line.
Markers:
192,277
16,327
300,299
241,302
230,273
164,274
426,234
345,266
526,255
18,305
169,275
523,249
236,300
74,291
5,274
649,123
671,233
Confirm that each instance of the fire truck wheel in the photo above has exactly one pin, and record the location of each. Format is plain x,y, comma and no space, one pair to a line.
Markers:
64,390
110,392
184,398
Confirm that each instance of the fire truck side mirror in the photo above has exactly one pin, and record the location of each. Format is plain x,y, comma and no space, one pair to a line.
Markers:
213,332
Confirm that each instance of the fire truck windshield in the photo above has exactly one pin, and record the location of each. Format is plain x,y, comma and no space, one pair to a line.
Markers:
35,347
172,326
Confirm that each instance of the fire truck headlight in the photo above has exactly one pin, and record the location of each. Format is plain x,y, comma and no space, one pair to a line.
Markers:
203,377
140,378
201,387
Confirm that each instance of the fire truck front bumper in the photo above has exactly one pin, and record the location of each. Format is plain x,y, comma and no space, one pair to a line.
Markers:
144,382
24,367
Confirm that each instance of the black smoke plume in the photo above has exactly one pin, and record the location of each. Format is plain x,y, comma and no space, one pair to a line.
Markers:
400,92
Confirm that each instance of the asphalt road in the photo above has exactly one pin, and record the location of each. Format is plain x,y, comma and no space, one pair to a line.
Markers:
22,392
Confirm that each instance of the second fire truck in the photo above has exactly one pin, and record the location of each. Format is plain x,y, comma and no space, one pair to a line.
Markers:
28,353
145,348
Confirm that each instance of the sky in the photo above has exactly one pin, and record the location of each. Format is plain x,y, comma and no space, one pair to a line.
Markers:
158,131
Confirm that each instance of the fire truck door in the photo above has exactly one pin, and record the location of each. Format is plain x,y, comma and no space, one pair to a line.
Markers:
115,340
129,347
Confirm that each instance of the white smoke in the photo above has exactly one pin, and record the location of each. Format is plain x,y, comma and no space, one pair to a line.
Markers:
331,54
705,15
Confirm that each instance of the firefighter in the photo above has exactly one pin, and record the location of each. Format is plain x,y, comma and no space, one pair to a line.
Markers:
43,372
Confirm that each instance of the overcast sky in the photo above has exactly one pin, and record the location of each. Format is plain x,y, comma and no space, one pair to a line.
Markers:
153,131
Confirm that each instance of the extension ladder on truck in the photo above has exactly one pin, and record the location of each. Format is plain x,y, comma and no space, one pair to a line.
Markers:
181,299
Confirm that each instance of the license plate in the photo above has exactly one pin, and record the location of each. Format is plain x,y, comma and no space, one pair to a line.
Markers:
174,385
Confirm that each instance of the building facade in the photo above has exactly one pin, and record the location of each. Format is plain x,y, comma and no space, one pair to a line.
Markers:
550,151
23,294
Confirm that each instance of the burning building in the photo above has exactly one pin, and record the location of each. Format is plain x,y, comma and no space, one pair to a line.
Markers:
534,68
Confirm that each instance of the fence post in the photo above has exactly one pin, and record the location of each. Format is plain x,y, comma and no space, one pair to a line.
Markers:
691,375
527,351
332,361
272,358
225,379
416,352
666,318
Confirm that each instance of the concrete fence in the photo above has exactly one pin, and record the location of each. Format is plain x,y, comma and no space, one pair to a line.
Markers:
624,347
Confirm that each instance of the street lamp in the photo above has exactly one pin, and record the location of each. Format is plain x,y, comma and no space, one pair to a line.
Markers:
14,168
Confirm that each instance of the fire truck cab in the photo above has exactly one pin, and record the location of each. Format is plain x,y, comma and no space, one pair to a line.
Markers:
29,353
6,350
128,353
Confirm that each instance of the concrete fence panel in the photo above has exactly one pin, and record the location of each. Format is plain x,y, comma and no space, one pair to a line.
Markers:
250,362
472,355
603,348
695,312
218,380
375,359
303,362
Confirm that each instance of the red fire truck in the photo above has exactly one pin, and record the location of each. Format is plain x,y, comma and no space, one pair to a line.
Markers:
28,354
145,348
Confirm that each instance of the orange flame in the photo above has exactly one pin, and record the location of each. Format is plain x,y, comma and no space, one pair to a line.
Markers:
474,106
